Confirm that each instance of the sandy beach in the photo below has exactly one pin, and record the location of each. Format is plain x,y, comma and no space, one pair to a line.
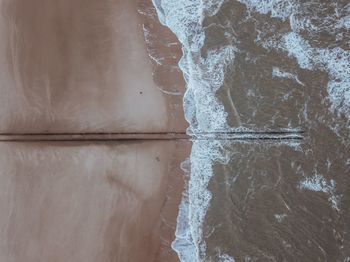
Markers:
90,201
84,66
97,70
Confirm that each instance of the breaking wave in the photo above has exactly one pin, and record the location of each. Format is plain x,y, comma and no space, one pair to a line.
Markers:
204,73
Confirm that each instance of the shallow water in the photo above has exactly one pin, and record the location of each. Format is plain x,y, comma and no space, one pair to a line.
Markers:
261,68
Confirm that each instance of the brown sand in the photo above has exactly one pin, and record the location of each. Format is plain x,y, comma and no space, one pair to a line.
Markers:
87,66
89,202
84,66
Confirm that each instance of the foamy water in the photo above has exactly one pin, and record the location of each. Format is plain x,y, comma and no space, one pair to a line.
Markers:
212,53
334,60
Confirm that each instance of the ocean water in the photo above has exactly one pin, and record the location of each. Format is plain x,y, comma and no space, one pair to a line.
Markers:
268,103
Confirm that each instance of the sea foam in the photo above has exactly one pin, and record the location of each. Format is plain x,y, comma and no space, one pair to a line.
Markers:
333,60
203,76
319,184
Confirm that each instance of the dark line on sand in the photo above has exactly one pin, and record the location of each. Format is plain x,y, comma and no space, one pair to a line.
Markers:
94,137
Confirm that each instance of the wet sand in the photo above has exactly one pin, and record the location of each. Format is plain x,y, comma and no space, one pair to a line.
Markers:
90,201
84,66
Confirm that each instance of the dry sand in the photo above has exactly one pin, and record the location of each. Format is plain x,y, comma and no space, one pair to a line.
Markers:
84,66
89,66
89,201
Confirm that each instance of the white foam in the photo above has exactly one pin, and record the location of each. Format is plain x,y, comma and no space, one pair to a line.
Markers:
344,22
183,243
276,8
318,183
183,17
336,62
298,48
204,154
226,258
280,217
333,60
189,243
204,76
277,72
212,7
